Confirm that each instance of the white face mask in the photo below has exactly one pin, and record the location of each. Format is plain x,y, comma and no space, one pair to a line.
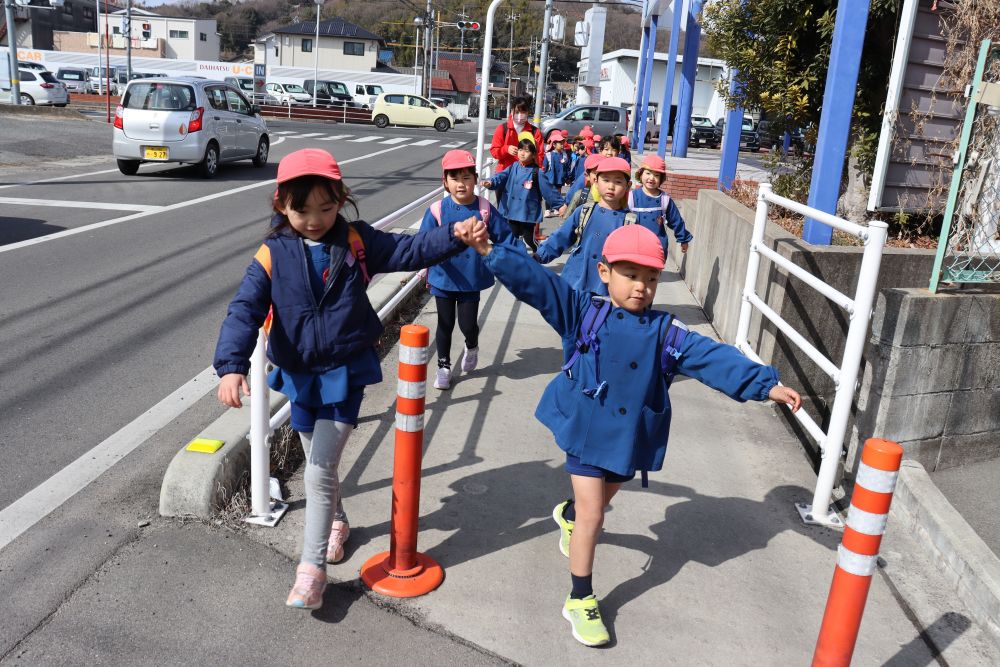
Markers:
520,118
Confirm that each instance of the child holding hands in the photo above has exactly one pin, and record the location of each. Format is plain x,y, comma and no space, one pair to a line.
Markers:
306,286
656,210
609,410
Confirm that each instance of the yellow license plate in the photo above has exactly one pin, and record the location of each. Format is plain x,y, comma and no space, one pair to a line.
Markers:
156,152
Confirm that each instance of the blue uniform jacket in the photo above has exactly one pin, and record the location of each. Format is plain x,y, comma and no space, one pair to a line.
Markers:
310,336
523,189
466,271
556,167
581,267
576,175
624,429
654,219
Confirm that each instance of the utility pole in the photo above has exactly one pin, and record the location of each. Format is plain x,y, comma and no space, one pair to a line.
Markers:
15,81
543,63
128,40
319,6
428,25
510,58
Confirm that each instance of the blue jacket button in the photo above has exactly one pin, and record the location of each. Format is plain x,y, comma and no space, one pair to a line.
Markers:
633,365
621,411
620,316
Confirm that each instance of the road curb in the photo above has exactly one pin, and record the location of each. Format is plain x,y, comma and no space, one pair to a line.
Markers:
198,484
963,558
43,111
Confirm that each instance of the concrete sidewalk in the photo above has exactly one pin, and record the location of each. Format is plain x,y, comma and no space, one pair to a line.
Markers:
710,565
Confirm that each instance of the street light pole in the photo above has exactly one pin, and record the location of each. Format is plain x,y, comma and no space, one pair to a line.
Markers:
543,63
128,38
417,80
319,5
15,81
510,58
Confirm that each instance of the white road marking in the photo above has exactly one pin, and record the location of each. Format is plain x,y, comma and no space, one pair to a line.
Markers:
306,136
35,505
361,140
423,142
59,178
395,140
335,136
171,207
454,144
77,204
283,132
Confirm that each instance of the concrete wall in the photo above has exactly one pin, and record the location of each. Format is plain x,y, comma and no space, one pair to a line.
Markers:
331,53
933,375
714,268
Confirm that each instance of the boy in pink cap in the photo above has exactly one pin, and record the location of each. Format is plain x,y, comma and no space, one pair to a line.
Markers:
306,287
555,166
457,282
656,210
609,408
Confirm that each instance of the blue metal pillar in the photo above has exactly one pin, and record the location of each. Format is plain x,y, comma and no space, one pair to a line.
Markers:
668,82
689,71
786,143
835,122
646,82
640,73
731,138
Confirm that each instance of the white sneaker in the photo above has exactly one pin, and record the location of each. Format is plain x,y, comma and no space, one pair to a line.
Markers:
443,379
470,359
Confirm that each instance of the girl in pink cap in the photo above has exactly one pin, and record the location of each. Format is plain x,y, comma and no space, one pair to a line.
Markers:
656,210
306,287
609,408
457,282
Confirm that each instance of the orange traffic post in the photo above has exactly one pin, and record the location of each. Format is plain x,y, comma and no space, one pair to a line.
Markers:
404,572
858,552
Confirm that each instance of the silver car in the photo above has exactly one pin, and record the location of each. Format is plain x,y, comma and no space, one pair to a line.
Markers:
603,120
187,120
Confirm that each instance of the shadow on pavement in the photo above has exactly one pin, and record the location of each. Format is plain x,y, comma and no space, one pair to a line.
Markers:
945,630
14,230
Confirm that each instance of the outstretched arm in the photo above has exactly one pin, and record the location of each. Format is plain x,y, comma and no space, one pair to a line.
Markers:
559,240
676,223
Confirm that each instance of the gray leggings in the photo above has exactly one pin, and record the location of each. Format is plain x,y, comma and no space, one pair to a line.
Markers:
323,448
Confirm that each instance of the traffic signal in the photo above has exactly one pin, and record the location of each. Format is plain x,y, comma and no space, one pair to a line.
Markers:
468,25
147,30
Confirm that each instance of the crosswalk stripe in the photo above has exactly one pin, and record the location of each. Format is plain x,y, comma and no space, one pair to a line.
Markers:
394,140
283,132
307,136
454,144
335,136
424,142
361,140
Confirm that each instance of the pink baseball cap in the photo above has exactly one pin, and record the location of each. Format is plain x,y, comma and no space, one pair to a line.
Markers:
597,137
557,135
588,143
636,244
457,159
592,161
625,140
587,131
613,164
308,162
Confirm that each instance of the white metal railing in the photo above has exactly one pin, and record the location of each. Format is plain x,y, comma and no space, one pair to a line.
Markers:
263,510
858,309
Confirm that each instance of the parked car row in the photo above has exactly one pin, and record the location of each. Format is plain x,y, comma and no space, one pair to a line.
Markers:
37,86
327,93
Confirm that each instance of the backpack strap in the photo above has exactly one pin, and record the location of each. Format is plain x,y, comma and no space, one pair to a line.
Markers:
436,211
357,245
673,340
585,212
586,339
484,210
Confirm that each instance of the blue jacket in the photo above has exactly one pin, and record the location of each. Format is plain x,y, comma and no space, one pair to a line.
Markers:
581,267
576,176
625,428
466,271
557,165
523,189
651,215
307,336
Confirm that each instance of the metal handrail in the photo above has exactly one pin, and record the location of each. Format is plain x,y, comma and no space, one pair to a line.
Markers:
859,311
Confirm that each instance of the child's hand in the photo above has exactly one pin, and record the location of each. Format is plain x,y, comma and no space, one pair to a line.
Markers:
475,236
464,228
562,210
786,395
684,247
229,389
486,184
480,232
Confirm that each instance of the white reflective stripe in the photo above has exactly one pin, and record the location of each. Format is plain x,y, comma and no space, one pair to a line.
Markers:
410,423
866,522
408,389
873,479
416,356
646,209
852,563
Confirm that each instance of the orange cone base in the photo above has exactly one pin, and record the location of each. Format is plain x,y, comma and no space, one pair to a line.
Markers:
422,579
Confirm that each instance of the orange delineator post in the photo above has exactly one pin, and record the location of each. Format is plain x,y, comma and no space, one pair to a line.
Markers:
858,552
403,571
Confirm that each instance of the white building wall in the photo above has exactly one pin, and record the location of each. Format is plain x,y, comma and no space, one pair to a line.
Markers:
331,53
619,85
181,48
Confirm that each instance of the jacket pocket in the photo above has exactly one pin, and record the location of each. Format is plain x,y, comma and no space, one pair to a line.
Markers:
652,432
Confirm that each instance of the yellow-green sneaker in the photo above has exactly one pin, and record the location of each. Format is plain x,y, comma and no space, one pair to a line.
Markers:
585,619
565,527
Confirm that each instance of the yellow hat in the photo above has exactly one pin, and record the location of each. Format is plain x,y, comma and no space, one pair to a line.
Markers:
526,135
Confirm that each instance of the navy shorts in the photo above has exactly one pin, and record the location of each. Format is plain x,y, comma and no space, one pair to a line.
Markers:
304,417
575,467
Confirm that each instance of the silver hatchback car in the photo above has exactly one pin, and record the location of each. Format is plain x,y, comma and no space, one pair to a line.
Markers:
187,120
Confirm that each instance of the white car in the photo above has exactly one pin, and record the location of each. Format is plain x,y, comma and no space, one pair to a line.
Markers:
37,87
288,93
188,120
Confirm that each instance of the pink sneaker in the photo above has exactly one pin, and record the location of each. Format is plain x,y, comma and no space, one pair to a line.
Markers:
338,537
307,593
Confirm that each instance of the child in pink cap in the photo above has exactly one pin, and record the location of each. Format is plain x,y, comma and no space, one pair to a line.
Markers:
457,282
609,408
306,287
656,210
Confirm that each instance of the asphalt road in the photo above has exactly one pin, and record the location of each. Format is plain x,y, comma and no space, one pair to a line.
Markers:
98,325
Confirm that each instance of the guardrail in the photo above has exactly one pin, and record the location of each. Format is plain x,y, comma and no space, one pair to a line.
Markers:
858,308
262,510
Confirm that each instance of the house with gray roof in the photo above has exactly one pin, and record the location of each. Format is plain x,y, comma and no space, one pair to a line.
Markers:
342,46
